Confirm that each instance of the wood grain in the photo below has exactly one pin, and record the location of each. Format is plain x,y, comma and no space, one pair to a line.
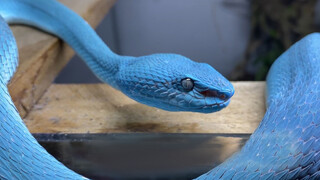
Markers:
98,108
42,56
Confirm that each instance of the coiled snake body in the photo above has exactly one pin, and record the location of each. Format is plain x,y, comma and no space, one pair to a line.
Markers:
285,146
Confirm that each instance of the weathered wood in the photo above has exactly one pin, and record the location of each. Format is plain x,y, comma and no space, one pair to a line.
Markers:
98,108
42,56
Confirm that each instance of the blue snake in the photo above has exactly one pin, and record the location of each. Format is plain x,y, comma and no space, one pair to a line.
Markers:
284,146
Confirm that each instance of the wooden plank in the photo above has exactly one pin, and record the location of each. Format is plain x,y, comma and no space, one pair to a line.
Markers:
42,56
98,108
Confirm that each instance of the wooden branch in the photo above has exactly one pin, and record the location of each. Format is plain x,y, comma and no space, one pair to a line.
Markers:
98,108
42,56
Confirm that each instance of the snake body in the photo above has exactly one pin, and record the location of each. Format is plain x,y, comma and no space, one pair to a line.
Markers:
284,146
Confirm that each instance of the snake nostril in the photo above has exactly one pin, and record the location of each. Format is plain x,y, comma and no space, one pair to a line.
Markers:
222,96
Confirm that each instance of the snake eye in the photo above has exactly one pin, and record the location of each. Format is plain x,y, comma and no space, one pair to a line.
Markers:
187,84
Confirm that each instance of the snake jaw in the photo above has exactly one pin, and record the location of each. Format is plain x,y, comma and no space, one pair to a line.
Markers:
220,104
214,100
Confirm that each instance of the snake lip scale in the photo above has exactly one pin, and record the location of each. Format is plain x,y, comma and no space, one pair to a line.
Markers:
222,104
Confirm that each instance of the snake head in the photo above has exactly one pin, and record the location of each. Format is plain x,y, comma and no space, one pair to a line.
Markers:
174,83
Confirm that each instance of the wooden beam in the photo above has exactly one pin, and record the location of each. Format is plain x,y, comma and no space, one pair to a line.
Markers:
42,56
98,108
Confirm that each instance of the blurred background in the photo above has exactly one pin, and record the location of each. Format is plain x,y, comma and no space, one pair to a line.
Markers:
240,38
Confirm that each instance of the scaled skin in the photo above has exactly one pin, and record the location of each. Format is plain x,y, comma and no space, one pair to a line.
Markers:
155,80
286,145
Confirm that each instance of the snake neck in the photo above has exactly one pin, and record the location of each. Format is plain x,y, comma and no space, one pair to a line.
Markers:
53,17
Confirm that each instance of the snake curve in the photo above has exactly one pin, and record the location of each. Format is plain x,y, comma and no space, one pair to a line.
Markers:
284,146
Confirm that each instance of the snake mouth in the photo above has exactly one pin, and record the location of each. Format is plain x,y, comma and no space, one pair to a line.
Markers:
223,96
219,100
221,104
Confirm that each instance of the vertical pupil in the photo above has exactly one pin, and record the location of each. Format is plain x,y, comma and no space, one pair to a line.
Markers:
187,84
